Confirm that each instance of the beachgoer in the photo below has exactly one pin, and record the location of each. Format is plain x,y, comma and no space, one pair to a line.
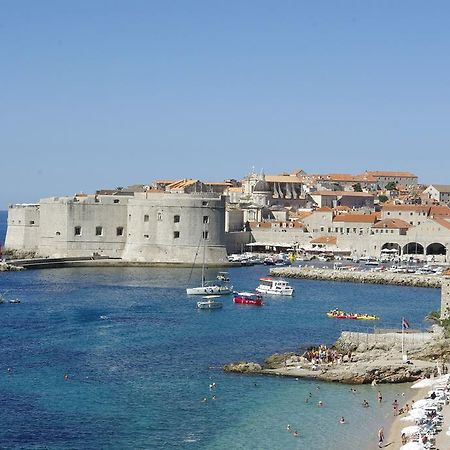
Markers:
288,428
205,400
379,397
380,437
395,407
214,397
66,376
296,434
9,370
306,400
342,420
365,403
320,403
374,382
404,439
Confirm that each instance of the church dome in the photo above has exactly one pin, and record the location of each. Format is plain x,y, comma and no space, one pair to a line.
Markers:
262,186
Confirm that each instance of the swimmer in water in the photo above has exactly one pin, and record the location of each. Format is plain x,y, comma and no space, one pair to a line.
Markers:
342,420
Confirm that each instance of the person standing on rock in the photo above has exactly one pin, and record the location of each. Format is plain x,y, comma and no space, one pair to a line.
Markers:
395,407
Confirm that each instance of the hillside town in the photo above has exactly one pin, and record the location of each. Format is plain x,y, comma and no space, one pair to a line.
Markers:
376,214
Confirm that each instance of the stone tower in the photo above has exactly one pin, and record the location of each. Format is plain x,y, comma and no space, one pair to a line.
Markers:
445,296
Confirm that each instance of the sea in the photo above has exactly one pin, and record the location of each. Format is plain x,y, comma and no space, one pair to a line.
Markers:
140,359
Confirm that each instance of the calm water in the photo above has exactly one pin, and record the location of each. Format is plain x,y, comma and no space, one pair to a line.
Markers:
138,375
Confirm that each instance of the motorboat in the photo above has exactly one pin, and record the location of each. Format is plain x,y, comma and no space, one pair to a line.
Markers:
223,276
248,298
274,286
14,301
209,302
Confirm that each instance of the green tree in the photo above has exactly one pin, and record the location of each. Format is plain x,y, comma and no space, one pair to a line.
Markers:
357,187
382,198
391,186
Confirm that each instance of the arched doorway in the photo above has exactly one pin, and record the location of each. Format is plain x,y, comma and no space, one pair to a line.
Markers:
391,246
413,248
436,248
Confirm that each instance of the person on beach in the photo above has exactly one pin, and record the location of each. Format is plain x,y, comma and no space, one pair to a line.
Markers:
365,403
320,404
379,397
403,438
296,434
380,437
342,420
395,407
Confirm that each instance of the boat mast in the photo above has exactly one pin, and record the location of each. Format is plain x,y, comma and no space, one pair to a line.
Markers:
204,256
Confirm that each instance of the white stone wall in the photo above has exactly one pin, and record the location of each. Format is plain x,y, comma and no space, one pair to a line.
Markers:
169,228
445,298
23,228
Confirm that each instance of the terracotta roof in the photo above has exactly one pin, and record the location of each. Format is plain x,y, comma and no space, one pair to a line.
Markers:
282,179
324,209
235,189
300,214
342,208
342,193
439,211
392,224
445,223
181,184
332,240
382,173
366,218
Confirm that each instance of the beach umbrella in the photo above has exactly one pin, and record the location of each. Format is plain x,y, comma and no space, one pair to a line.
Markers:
423,403
412,446
409,431
417,413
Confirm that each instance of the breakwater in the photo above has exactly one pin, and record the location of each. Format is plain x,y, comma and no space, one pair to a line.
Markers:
357,276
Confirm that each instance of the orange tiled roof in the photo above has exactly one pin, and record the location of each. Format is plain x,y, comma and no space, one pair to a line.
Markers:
366,218
392,224
416,208
439,211
383,173
282,179
324,209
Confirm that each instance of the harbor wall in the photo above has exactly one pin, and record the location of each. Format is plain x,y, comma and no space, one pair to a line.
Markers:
354,276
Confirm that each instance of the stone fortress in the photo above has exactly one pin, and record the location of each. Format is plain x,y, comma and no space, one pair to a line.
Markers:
160,227
310,214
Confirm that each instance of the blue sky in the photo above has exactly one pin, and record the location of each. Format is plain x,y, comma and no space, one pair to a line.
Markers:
107,93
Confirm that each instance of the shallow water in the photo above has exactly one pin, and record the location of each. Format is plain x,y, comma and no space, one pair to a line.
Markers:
141,357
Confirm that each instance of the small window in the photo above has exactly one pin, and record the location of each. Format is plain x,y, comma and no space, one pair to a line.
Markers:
31,222
116,200
205,219
205,203
176,234
176,219
146,218
77,231
159,217
146,236
205,234
99,231
58,233
129,216
119,231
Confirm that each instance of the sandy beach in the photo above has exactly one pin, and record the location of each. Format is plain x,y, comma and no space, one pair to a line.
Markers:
393,432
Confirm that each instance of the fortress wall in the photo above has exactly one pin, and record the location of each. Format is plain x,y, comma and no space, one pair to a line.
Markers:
23,228
60,217
445,298
168,228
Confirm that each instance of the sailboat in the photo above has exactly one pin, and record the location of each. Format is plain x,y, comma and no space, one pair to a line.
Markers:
215,287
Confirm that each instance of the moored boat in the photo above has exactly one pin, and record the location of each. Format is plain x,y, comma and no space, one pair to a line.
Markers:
248,298
209,302
274,286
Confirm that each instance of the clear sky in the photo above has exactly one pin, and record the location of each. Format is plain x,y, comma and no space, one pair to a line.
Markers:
100,93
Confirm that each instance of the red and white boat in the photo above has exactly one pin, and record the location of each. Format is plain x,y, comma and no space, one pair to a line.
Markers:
248,298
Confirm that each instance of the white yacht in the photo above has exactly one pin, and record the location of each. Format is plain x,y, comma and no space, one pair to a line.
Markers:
273,286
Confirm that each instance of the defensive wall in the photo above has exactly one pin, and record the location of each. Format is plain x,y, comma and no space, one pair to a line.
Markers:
144,227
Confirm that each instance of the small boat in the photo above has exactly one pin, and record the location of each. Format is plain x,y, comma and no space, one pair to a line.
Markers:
223,276
209,302
248,298
14,301
210,288
337,314
272,286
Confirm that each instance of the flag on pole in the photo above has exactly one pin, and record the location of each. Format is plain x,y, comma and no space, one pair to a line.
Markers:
405,324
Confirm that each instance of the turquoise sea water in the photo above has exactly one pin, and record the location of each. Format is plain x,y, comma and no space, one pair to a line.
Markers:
138,375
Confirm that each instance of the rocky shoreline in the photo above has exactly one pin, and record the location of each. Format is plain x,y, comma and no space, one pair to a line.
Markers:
357,276
378,363
5,267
